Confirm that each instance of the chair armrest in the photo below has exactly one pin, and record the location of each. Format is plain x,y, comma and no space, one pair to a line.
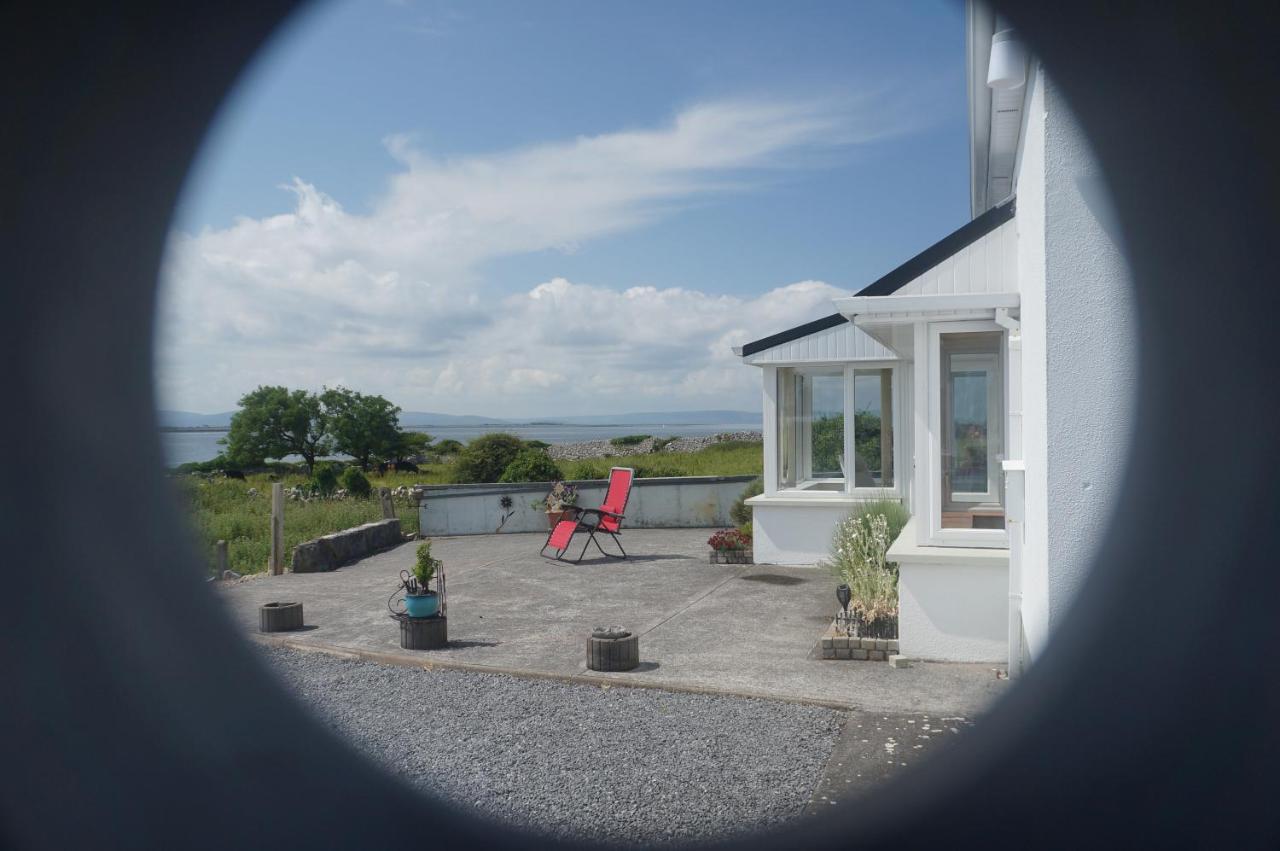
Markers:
601,511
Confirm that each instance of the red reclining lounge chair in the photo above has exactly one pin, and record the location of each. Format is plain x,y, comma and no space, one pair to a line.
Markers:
607,518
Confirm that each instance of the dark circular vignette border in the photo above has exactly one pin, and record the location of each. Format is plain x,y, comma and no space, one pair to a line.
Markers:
1150,718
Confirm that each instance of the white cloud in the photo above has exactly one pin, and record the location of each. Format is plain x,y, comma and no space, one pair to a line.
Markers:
389,301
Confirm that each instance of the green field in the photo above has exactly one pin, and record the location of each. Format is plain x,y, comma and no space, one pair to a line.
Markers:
223,509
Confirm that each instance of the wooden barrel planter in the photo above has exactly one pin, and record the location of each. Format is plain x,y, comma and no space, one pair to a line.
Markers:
613,650
279,617
424,633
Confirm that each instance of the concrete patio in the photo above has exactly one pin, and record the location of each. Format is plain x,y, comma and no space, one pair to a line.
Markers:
734,629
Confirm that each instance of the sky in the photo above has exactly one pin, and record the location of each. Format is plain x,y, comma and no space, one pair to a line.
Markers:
535,209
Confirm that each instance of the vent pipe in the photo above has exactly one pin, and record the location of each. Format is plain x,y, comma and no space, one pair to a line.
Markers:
1007,68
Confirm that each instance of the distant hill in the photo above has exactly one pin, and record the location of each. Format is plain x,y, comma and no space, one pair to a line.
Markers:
190,419
410,419
419,419
667,418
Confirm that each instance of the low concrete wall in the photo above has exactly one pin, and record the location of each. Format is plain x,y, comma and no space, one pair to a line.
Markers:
333,551
655,503
795,531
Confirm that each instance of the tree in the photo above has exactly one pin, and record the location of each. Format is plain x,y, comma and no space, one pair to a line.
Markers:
273,422
364,427
486,458
408,445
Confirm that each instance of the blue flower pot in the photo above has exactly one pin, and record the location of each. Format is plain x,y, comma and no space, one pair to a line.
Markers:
422,605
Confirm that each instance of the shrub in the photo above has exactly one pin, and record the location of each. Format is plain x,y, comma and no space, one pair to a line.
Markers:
629,439
537,444
449,446
741,512
587,469
659,468
486,458
355,482
661,443
424,569
858,549
729,539
324,480
531,465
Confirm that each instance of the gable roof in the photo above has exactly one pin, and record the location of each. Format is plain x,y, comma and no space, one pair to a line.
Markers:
890,283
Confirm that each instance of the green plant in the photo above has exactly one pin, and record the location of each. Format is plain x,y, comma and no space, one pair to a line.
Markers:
859,547
629,439
747,529
424,569
448,446
730,539
661,443
537,444
586,470
355,482
741,512
560,497
486,458
531,465
324,480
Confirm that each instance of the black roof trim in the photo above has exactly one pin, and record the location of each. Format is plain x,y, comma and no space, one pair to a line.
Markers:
941,250
899,277
794,333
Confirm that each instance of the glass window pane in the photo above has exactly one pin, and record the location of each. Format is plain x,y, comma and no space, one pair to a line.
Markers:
824,414
811,429
971,441
873,428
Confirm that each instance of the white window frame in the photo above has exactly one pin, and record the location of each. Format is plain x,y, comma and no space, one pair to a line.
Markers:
806,488
936,535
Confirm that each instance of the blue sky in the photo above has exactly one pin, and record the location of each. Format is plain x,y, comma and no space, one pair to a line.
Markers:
555,207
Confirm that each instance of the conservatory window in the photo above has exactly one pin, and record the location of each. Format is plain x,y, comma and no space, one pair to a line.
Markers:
873,428
834,429
972,409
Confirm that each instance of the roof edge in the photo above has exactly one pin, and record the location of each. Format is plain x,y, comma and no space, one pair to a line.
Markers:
942,249
889,284
795,333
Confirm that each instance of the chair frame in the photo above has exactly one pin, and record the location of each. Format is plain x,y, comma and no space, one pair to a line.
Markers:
583,524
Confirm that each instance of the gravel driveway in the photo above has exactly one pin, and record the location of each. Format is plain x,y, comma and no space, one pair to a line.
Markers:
634,766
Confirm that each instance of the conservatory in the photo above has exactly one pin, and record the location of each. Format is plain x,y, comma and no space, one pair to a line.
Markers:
909,391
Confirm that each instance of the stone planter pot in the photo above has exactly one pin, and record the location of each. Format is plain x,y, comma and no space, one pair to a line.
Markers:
554,517
731,557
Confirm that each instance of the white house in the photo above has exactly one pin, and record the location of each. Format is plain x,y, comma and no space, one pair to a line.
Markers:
987,382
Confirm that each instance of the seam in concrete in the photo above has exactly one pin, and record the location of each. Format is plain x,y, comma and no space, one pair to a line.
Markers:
690,604
390,658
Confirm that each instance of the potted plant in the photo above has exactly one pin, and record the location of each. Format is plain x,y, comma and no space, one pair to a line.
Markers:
730,546
419,600
557,503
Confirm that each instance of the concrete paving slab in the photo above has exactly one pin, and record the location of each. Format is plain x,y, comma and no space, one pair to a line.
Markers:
737,629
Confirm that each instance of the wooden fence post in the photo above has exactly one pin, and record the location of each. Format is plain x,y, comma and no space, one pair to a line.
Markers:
277,529
388,509
220,560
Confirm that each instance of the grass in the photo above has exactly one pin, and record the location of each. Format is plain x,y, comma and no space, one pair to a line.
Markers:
223,509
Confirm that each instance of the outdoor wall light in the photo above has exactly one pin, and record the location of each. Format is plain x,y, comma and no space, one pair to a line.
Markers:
1008,66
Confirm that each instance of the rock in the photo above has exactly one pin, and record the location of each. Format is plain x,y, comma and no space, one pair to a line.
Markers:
605,449
230,574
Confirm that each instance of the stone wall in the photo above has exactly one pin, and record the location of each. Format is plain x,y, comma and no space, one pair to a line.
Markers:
332,551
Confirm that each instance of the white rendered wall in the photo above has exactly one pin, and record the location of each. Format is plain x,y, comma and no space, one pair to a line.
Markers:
953,604
794,534
1079,359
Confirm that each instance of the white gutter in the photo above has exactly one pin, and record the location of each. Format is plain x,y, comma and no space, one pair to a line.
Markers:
878,305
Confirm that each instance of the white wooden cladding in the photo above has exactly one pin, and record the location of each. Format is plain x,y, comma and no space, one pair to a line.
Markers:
989,265
841,343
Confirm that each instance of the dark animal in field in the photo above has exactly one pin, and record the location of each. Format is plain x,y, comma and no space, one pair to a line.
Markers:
405,467
233,474
383,466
